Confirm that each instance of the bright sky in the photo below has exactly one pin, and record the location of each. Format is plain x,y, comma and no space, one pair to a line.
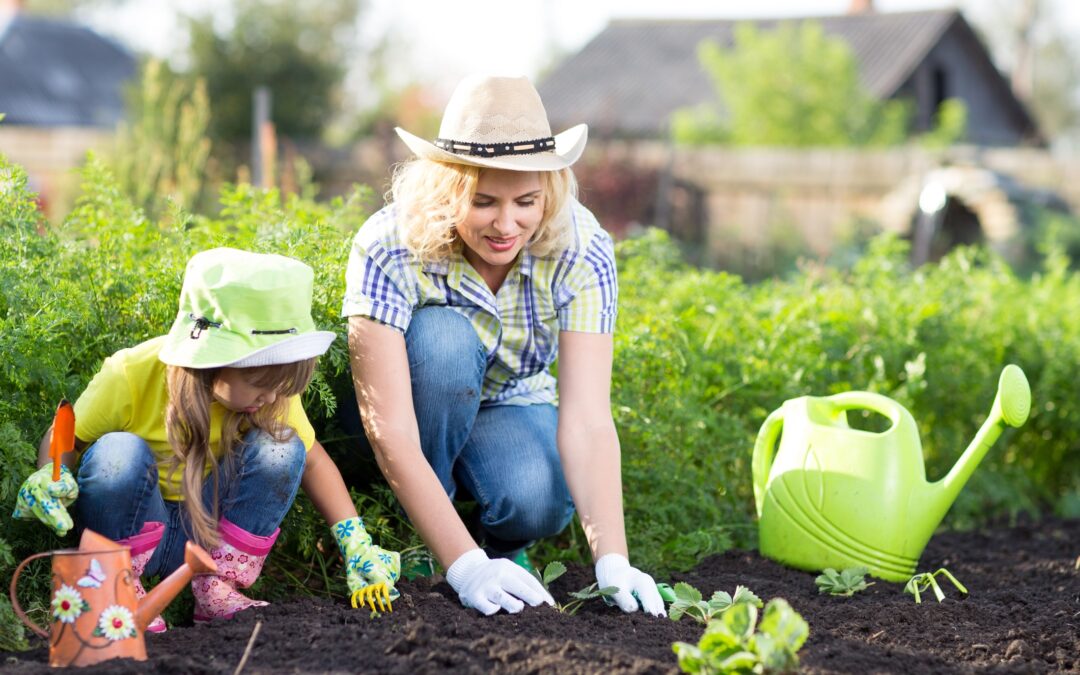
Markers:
442,40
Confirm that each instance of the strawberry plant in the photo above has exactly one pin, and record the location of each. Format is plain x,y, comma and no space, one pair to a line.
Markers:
918,584
846,583
556,569
552,571
688,602
731,644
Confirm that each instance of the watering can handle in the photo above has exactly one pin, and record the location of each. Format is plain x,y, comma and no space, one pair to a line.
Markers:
764,449
869,400
15,602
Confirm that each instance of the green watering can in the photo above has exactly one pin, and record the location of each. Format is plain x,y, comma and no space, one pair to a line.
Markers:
833,496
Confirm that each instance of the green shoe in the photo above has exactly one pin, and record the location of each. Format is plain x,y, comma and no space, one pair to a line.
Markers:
522,561
418,566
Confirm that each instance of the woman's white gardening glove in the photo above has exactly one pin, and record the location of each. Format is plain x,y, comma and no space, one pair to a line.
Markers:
488,585
634,585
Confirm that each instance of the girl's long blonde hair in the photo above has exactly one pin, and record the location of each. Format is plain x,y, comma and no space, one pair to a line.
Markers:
187,424
433,197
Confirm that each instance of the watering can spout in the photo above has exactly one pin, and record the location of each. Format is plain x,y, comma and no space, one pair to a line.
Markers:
196,561
1011,406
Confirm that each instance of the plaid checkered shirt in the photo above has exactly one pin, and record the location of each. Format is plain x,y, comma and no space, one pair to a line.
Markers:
575,290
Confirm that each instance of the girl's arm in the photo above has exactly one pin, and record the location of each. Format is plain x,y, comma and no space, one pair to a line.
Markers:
323,484
588,442
380,370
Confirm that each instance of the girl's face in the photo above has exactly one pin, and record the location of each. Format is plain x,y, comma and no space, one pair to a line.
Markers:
505,213
232,390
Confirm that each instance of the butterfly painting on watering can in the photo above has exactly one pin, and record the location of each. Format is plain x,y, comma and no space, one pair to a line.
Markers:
95,614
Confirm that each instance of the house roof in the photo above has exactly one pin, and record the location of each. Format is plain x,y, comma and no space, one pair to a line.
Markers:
635,72
58,73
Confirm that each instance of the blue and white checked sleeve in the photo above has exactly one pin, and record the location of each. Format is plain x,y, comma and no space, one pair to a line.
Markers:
590,289
377,279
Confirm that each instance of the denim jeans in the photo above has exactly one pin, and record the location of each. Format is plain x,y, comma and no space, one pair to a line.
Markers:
503,456
118,491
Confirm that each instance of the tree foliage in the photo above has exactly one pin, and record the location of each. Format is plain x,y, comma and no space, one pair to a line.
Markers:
300,52
794,86
162,150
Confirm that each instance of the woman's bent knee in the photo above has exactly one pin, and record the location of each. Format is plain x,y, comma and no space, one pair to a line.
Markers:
443,347
524,520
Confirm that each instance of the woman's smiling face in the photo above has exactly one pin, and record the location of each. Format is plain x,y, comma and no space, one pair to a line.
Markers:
504,215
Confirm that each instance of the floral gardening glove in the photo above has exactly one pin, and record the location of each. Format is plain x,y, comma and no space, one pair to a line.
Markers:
43,499
367,565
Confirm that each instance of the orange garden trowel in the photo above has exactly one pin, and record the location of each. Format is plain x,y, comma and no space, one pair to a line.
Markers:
63,435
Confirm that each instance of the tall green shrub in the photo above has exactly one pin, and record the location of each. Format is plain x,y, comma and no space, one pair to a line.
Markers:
160,159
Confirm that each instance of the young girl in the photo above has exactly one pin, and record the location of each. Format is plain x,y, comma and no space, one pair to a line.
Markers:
199,434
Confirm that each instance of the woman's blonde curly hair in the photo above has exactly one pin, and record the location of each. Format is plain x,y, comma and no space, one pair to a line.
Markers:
433,197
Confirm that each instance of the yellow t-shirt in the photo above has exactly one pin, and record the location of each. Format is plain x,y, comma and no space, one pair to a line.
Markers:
130,394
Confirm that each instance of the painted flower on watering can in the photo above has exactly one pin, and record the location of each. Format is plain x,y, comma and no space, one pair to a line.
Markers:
116,623
68,604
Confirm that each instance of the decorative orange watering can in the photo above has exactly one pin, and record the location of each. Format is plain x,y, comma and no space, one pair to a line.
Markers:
94,610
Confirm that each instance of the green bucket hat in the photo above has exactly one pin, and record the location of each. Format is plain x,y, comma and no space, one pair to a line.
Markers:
243,309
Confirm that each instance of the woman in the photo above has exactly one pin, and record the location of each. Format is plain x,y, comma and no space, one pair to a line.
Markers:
461,293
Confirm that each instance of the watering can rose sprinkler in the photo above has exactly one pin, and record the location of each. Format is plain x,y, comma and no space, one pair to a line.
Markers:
832,496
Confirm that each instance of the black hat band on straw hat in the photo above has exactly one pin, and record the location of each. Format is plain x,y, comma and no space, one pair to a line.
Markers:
496,149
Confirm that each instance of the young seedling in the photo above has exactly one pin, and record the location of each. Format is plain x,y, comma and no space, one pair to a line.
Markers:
552,571
688,602
845,583
735,642
556,569
590,592
920,582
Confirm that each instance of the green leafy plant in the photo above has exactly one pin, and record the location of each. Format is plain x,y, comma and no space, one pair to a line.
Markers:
847,582
590,592
731,644
688,602
918,584
552,571
556,569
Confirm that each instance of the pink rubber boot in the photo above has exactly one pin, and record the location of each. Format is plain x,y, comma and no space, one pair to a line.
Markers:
239,558
143,544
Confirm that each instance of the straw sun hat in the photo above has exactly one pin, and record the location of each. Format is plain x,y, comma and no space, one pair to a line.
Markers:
243,309
499,122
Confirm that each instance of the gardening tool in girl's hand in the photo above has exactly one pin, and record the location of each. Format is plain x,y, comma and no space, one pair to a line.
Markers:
95,614
833,496
63,435
46,493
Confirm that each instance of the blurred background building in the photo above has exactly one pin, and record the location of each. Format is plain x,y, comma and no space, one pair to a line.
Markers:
61,93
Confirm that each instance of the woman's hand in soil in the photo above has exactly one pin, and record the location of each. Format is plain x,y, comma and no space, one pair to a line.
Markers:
634,585
366,565
489,585
44,499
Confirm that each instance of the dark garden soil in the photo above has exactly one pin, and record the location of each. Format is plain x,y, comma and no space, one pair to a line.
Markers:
1023,616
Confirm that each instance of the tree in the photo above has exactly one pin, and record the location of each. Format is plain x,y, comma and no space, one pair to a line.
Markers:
161,156
792,86
1030,40
300,52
